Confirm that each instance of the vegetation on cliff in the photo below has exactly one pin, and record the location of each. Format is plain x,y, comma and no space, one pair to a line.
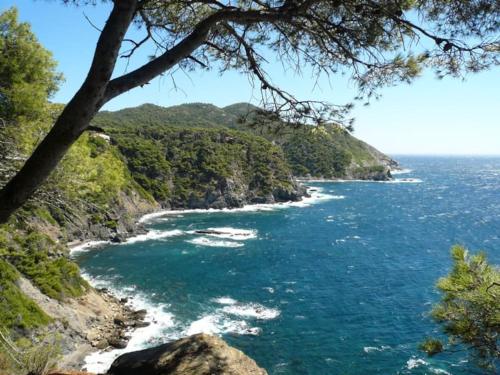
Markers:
201,168
328,151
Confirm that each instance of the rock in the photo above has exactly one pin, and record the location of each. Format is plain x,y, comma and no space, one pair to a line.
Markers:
200,354
141,324
117,343
124,300
69,372
102,344
140,314
118,238
120,321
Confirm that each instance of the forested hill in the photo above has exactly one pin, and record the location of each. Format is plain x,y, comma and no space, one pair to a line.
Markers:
326,152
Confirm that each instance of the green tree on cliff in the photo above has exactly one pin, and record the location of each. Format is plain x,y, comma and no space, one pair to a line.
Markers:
27,70
27,80
378,42
470,307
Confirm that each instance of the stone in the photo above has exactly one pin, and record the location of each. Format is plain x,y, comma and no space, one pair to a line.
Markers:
199,354
117,343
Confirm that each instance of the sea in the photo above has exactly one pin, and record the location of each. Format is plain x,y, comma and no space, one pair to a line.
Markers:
340,283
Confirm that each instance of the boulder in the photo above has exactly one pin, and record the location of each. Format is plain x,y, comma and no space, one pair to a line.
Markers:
117,343
199,354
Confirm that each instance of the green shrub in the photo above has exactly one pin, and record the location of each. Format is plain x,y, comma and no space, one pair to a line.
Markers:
431,346
16,309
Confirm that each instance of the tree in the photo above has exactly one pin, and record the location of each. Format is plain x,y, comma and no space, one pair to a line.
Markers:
470,307
27,71
378,42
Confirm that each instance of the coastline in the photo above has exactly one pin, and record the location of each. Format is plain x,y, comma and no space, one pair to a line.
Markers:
98,360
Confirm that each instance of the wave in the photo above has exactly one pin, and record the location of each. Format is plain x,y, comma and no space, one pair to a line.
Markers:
227,232
86,246
252,310
225,300
393,181
414,363
150,235
371,349
159,318
403,181
204,241
401,171
154,235
316,196
218,324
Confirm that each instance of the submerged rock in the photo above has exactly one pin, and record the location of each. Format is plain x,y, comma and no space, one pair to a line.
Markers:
199,354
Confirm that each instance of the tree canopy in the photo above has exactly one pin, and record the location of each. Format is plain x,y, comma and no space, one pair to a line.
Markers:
470,307
375,42
28,74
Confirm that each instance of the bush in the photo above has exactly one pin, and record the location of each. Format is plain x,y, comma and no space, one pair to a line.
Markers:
431,346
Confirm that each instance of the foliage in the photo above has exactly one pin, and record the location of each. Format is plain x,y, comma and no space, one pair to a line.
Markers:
43,261
91,171
184,164
42,358
328,151
469,309
147,164
27,70
431,346
16,309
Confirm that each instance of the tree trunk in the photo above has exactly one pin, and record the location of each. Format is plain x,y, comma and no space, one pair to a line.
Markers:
76,115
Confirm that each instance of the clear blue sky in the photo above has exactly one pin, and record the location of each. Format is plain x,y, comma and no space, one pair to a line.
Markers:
430,116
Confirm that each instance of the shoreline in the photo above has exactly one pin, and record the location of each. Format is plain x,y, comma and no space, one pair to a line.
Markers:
154,314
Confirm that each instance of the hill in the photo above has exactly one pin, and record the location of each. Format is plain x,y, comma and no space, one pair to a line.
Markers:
326,152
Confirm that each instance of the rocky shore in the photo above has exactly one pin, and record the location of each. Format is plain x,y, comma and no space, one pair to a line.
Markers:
95,321
199,354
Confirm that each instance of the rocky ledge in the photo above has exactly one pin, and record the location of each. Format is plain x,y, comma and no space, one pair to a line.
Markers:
199,354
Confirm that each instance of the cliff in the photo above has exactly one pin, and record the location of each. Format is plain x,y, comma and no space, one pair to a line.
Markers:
326,152
206,168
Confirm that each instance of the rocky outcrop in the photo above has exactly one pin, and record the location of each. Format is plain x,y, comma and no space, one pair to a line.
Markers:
371,173
234,194
200,354
97,320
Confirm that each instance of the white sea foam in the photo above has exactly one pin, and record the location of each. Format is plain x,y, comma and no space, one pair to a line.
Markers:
401,171
227,232
204,241
403,181
218,324
86,246
154,235
316,196
160,320
393,181
252,310
225,300
439,371
233,233
371,349
414,363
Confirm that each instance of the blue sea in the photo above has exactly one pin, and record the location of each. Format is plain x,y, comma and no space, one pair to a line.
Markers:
339,284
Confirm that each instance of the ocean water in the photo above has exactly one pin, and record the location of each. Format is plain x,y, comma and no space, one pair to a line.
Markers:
339,284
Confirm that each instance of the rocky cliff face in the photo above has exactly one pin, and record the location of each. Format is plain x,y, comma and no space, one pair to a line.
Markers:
207,168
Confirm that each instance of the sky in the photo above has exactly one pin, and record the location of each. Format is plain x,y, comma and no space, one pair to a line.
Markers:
429,116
